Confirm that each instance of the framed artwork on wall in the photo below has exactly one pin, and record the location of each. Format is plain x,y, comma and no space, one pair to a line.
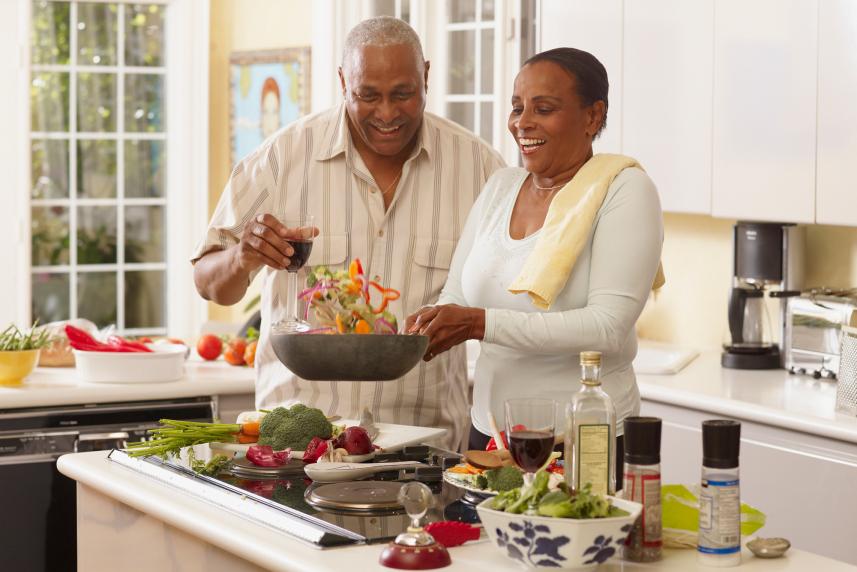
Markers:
267,90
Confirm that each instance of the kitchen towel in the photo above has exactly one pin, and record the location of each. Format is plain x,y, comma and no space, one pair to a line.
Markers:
566,228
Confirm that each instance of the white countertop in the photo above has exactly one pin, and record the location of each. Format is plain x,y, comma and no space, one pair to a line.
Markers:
49,386
277,551
772,397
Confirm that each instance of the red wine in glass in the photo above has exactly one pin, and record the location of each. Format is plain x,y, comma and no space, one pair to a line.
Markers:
530,449
298,259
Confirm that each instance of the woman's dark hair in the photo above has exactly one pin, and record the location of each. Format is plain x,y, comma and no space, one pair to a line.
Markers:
589,75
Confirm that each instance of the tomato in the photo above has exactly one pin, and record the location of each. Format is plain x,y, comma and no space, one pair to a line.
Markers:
250,353
176,341
234,352
209,347
144,340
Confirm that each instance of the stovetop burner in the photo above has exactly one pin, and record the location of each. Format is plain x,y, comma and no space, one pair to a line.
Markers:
325,514
372,496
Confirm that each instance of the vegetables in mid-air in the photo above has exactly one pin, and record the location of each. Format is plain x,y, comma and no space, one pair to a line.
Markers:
293,428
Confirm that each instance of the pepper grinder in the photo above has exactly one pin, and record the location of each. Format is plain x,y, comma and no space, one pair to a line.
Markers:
415,549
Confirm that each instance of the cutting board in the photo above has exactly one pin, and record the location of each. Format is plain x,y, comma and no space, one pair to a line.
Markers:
657,358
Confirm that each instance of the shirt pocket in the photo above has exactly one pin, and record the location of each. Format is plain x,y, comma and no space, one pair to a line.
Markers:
430,253
328,250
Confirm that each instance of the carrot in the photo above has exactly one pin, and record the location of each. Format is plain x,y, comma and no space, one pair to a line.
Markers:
243,438
250,428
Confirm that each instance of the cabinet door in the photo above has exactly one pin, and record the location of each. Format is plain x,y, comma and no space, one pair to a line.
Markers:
764,109
836,190
666,122
596,27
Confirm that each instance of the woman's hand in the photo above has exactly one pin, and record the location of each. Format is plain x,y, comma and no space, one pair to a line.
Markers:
446,326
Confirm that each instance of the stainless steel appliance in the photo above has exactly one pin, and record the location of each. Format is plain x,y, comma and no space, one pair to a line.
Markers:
327,515
813,335
38,528
768,263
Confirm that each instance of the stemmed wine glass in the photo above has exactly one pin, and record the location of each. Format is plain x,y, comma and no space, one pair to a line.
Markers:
530,429
303,227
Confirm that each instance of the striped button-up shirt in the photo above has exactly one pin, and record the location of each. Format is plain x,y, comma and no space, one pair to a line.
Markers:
312,167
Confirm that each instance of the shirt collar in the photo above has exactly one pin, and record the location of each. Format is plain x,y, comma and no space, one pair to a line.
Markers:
337,138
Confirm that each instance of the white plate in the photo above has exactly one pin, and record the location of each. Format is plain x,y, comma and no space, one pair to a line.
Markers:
452,479
391,438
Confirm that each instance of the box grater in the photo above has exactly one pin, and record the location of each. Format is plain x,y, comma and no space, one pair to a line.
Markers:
846,390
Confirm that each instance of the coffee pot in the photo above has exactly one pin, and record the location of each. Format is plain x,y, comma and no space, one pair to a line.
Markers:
768,264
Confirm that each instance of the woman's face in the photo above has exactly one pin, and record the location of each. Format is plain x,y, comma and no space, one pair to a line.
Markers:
551,126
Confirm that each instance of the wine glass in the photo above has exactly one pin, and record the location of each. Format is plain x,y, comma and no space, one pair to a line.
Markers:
530,429
303,227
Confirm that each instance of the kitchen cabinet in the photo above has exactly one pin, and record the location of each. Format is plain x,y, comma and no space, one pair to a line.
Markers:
836,185
668,72
796,479
596,27
764,116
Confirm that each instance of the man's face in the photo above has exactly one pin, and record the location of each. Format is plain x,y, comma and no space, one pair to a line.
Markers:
385,96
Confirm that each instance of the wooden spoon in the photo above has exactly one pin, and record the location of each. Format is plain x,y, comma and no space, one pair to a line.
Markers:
487,459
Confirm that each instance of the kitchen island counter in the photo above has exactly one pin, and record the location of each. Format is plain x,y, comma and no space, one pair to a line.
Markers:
770,397
53,386
129,521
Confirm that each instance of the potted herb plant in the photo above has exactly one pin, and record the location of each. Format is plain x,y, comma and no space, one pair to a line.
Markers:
19,353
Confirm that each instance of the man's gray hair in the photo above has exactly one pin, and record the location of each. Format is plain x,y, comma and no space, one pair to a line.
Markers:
382,31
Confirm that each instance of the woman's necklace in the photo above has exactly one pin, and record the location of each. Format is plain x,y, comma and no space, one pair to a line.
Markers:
553,188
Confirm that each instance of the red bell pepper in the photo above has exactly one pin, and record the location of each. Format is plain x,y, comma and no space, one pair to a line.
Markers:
123,345
492,445
265,456
314,450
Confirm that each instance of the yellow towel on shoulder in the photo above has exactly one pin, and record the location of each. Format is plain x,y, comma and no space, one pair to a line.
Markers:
566,228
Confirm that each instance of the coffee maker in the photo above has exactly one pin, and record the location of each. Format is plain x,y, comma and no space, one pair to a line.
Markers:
768,263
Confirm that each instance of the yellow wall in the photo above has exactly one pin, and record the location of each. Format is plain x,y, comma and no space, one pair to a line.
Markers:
240,25
691,307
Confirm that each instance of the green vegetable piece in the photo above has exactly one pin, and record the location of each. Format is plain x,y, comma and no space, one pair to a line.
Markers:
480,482
556,504
504,478
294,427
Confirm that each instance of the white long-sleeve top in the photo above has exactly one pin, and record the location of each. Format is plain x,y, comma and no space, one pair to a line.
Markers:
528,352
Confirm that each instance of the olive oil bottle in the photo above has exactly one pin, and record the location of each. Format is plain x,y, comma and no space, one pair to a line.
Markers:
590,436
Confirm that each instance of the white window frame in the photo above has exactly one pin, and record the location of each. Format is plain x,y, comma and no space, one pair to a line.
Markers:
187,46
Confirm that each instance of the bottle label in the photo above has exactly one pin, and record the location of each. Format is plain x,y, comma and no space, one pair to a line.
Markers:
646,489
719,517
594,458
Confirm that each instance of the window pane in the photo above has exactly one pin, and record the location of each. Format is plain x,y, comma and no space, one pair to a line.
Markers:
487,10
461,10
144,299
462,46
96,102
49,169
144,34
50,32
384,8
96,235
406,10
96,169
144,102
145,169
487,72
96,297
50,297
97,29
144,234
486,121
461,113
49,101
50,236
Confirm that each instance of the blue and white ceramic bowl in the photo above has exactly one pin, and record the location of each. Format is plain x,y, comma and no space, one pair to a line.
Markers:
559,543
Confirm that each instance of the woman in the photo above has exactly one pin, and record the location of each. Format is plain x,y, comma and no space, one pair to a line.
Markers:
559,106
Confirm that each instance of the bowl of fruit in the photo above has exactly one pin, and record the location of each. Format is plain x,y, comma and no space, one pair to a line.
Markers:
355,336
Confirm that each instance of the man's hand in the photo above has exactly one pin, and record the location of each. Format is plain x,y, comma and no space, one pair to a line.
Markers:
265,242
446,326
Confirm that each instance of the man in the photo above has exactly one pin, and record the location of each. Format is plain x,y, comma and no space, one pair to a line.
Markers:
386,183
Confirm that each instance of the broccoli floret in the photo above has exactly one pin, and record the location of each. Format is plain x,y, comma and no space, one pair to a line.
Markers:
294,427
504,479
480,482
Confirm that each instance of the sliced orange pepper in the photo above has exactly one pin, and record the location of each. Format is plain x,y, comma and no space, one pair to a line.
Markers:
355,268
340,327
250,428
362,327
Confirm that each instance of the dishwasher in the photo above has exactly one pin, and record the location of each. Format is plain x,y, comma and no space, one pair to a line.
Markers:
38,529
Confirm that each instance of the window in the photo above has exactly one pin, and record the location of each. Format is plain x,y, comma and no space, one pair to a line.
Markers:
116,161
